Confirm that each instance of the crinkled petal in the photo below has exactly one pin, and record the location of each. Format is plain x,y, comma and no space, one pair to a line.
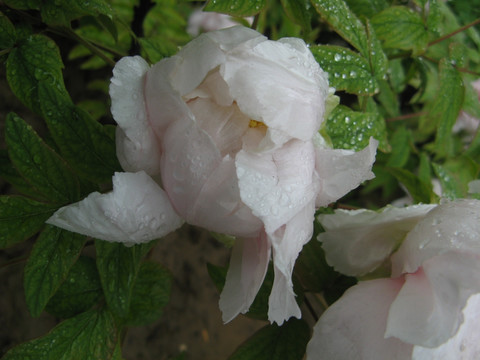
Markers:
358,241
464,345
277,185
228,39
137,146
285,88
428,309
136,211
248,266
353,327
451,226
287,242
343,170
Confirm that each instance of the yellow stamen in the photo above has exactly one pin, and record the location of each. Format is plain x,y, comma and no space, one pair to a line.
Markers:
255,124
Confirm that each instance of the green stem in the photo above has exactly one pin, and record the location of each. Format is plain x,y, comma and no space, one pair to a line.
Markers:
5,51
407,116
473,23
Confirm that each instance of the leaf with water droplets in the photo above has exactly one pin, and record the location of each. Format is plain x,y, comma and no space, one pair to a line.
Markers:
299,12
347,69
79,292
21,218
286,342
377,59
62,12
150,294
345,22
401,28
7,32
35,58
350,129
239,8
367,8
455,174
86,145
44,169
118,267
420,191
52,256
443,111
90,335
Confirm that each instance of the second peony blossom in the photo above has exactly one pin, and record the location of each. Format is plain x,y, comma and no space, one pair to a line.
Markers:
224,135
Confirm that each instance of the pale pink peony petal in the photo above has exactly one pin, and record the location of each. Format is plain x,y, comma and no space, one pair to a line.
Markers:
136,211
343,170
464,345
356,242
428,309
287,242
353,327
137,146
451,226
248,266
269,86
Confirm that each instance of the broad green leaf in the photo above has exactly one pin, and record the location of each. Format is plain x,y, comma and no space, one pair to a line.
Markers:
273,342
155,49
445,108
62,12
350,129
23,4
401,28
299,12
455,174
241,8
38,163
425,169
85,144
388,99
21,218
400,141
471,103
433,17
347,70
367,8
79,292
35,58
118,267
52,256
345,22
377,59
150,294
7,32
259,307
420,191
90,335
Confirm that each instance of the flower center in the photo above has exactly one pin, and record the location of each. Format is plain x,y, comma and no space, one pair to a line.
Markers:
256,124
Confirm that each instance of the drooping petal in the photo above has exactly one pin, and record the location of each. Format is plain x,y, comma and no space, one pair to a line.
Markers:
279,84
343,170
136,211
353,327
452,226
137,146
248,266
287,242
464,345
428,309
358,241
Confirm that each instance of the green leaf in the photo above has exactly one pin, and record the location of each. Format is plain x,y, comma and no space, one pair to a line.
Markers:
35,58
471,104
347,70
90,335
420,191
23,4
259,307
388,99
240,8
86,145
62,12
400,141
350,129
118,267
273,342
79,292
52,256
401,28
367,8
150,294
455,174
21,218
345,22
299,12
377,58
38,163
445,108
8,35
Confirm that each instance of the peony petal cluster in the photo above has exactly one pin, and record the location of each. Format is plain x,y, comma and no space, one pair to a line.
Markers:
224,135
428,309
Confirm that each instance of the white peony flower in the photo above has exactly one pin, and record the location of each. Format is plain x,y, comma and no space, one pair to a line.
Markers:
416,314
224,133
